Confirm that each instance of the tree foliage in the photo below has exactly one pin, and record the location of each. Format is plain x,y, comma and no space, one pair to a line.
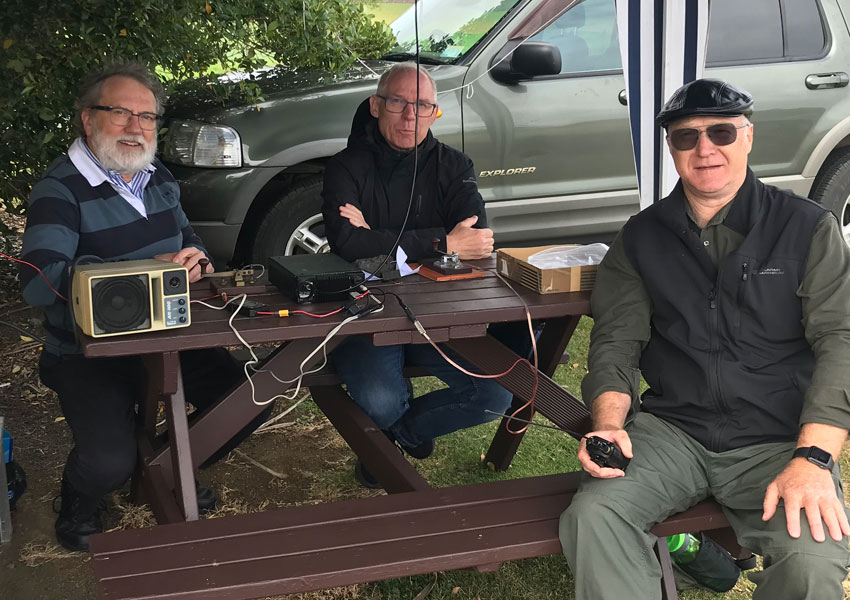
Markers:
47,47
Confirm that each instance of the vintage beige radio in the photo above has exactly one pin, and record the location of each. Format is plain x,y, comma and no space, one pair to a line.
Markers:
133,296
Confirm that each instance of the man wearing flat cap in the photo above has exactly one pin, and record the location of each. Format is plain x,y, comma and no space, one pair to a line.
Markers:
732,299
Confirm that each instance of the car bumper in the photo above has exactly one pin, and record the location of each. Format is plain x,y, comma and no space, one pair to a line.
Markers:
216,202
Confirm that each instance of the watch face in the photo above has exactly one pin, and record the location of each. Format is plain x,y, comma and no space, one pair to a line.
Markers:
818,455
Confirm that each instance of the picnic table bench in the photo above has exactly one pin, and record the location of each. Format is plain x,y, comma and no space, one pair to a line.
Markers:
415,529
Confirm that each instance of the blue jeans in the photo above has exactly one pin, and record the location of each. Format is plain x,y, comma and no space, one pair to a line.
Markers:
375,382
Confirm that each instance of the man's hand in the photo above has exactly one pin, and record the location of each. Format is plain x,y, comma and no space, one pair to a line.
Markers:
803,485
613,434
354,216
470,243
188,257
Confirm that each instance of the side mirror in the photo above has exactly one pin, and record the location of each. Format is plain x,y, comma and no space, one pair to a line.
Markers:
528,60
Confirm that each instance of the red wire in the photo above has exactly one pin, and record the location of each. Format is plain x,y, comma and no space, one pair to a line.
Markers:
309,314
23,262
530,402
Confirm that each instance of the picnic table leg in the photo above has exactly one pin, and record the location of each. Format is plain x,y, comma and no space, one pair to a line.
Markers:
151,484
220,422
156,490
154,484
492,357
370,444
181,458
668,580
159,383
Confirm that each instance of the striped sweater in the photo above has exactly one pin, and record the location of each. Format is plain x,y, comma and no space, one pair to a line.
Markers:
68,218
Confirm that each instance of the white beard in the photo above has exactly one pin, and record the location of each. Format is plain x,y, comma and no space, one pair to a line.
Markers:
119,157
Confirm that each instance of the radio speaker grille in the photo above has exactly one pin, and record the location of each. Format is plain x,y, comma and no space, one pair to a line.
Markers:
121,304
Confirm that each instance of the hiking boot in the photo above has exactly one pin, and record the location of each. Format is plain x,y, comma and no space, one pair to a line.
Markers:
364,477
79,518
206,498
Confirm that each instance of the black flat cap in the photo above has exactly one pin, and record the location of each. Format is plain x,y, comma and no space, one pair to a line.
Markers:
705,98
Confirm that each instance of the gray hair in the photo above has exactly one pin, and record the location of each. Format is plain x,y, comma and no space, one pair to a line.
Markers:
400,68
92,86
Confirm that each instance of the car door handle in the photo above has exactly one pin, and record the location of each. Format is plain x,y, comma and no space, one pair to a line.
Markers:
822,81
623,98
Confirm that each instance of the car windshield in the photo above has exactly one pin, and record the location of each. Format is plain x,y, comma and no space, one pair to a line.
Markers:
448,29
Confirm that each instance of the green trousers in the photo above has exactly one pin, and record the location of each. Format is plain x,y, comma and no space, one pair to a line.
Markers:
605,530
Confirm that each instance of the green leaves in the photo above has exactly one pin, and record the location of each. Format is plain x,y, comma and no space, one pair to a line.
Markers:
48,47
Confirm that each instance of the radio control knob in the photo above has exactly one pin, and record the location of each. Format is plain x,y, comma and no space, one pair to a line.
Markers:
182,319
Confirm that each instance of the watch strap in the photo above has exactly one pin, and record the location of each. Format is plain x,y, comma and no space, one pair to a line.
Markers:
815,455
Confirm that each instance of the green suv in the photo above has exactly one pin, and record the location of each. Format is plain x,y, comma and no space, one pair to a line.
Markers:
549,138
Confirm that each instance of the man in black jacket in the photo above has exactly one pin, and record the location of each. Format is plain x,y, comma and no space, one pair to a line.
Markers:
368,200
732,299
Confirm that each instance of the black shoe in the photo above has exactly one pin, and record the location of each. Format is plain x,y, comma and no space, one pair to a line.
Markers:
206,498
364,477
79,518
423,450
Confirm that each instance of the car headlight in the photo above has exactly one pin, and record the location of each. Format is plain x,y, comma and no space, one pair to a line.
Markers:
198,144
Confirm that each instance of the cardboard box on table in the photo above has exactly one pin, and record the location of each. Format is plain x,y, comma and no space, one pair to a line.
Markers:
513,264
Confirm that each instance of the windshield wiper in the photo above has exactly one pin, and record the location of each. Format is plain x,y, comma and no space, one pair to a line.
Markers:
403,56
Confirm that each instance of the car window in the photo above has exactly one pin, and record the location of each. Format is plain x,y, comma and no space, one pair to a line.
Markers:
804,31
744,31
586,35
752,31
446,29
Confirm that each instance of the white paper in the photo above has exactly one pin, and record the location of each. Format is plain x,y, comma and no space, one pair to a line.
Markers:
401,263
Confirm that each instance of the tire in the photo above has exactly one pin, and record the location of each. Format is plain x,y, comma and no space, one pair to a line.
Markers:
293,225
832,188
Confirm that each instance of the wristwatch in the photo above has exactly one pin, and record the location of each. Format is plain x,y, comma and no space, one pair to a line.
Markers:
815,455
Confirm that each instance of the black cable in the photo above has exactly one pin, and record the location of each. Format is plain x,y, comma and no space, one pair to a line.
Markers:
23,331
555,427
391,253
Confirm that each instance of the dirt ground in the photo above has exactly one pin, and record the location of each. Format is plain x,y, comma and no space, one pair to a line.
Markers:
33,566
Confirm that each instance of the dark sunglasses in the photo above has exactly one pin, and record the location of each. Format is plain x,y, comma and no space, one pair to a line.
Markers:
721,134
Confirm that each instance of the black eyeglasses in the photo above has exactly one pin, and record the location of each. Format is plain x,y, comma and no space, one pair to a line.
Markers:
720,134
120,116
397,105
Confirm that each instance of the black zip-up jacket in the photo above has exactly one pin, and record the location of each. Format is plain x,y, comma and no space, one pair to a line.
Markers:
377,179
727,359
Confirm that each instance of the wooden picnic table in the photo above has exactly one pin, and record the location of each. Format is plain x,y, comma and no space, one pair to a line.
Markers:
455,313
415,529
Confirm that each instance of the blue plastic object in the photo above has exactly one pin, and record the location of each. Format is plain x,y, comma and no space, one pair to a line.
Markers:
7,446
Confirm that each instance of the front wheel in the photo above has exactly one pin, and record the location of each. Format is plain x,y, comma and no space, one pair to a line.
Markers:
832,189
294,224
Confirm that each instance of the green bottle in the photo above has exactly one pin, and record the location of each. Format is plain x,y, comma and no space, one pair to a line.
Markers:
683,547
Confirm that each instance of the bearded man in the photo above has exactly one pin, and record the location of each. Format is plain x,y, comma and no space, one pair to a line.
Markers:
109,198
